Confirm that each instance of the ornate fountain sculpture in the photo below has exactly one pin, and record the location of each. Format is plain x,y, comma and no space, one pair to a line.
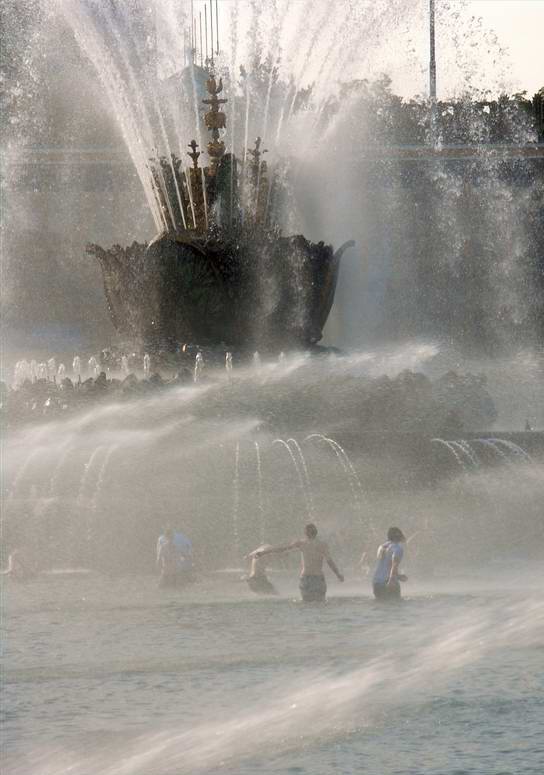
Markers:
220,272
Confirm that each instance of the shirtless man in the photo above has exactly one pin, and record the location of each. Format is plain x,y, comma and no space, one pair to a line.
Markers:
312,584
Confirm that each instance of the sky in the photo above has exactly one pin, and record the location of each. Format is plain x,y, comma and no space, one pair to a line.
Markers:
392,36
519,25
468,56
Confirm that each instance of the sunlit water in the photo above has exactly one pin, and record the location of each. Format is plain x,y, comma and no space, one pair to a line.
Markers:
114,676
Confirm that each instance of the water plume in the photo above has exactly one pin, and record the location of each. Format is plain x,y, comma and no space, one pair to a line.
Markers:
236,504
300,474
262,519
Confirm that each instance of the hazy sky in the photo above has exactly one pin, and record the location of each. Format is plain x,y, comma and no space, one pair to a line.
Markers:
468,57
519,25
392,36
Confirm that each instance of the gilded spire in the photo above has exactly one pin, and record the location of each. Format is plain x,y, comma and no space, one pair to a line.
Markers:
215,120
256,153
193,153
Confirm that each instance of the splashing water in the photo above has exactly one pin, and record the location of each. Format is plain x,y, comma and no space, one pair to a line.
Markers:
172,451
514,448
473,457
76,366
454,451
496,449
51,369
147,365
228,365
300,474
94,367
464,451
296,446
82,496
95,503
236,504
199,367
312,82
348,468
262,520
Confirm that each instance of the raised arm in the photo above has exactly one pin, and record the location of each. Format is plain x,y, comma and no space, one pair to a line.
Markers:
275,549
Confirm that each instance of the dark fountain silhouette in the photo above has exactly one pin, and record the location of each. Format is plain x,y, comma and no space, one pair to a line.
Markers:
221,272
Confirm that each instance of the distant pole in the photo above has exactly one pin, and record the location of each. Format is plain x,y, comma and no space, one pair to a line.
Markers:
156,42
217,24
432,62
432,74
211,25
195,57
201,49
206,32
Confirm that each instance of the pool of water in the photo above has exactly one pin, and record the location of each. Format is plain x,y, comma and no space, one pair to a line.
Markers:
114,676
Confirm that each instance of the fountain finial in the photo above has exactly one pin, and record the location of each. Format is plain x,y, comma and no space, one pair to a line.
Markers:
256,153
258,175
193,153
215,120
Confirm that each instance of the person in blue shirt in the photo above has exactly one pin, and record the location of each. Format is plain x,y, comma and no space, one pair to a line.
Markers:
386,579
183,548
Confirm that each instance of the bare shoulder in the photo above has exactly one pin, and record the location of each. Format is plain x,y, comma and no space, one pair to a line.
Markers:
324,548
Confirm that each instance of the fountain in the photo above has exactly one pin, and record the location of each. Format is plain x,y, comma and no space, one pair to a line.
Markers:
220,270
217,317
220,406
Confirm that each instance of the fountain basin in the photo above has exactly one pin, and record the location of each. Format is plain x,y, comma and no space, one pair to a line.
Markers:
246,289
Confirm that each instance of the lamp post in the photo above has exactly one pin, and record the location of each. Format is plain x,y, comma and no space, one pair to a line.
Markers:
432,72
432,60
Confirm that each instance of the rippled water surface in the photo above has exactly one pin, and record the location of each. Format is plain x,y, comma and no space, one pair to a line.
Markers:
117,677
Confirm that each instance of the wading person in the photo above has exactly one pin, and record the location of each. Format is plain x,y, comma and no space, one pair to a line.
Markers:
312,584
257,580
184,548
168,560
386,579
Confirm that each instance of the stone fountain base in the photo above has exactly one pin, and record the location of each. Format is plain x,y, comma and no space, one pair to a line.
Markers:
247,291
